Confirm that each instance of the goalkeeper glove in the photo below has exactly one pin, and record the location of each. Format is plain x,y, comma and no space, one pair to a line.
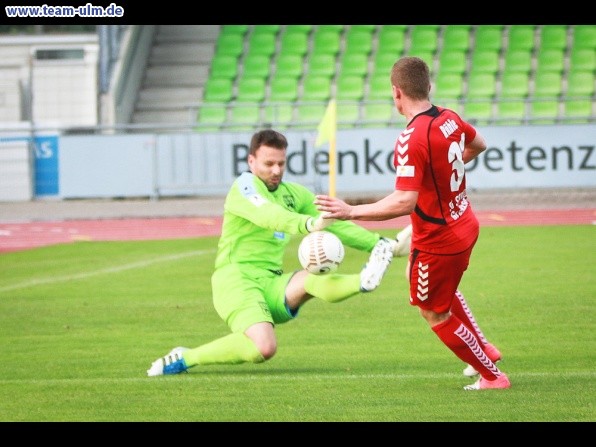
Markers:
401,245
318,223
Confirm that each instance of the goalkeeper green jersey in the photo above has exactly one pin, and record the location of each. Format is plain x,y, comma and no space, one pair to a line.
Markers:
258,223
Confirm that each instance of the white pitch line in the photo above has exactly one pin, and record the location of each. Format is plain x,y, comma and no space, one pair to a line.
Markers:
121,268
251,378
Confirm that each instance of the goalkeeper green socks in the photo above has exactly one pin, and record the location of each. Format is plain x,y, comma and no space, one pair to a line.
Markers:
332,288
229,350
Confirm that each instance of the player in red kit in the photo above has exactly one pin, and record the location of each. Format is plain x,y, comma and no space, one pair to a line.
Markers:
430,186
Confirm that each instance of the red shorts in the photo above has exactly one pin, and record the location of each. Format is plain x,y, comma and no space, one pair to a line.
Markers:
435,278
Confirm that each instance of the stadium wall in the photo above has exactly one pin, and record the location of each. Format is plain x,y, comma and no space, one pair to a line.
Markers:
205,164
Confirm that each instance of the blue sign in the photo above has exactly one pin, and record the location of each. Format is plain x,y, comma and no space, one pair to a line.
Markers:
46,165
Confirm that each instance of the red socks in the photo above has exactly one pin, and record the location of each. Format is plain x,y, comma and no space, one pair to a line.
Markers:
464,344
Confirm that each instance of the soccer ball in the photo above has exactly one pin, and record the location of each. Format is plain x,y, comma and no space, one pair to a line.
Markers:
321,252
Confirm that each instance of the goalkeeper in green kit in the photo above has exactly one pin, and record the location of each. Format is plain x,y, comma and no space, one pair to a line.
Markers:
251,293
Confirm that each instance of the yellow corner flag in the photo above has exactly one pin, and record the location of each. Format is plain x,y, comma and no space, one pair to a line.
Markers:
327,130
328,126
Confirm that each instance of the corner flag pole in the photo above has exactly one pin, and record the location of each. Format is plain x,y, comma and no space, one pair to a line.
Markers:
327,131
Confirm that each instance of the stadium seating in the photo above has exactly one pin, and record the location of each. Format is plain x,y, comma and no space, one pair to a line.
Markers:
423,39
354,64
251,89
580,83
485,60
283,88
244,117
224,66
316,88
359,40
211,117
289,65
584,36
553,37
452,61
494,74
256,65
218,90
326,41
350,87
488,37
391,40
321,64
456,37
309,115
262,43
550,59
518,61
547,84
581,58
521,37
294,42
348,114
544,112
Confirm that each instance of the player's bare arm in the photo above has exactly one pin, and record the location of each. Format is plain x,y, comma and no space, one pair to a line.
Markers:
474,148
398,203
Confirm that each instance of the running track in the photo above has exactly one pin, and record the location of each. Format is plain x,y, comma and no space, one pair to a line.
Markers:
16,236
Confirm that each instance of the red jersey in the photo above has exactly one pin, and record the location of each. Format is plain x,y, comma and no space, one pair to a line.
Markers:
428,158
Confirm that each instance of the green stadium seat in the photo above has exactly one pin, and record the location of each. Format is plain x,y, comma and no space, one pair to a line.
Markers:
553,37
517,61
262,43
447,86
391,40
423,38
580,83
544,112
362,27
224,66
521,37
302,28
294,42
550,59
452,61
229,44
358,40
278,115
383,63
256,65
485,60
511,112
379,87
478,113
309,115
218,90
316,88
377,114
581,58
354,64
456,38
337,28
289,64
321,64
244,117
266,29
584,36
481,85
283,88
211,117
348,115
326,41
234,29
547,85
251,89
488,37
350,87
577,111
515,85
